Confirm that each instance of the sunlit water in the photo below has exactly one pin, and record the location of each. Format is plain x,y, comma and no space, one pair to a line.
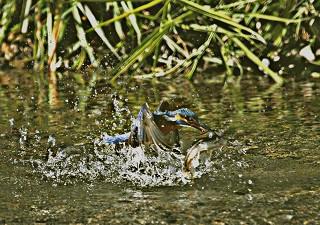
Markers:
56,168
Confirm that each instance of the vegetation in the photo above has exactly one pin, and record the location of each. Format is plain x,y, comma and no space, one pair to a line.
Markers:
157,38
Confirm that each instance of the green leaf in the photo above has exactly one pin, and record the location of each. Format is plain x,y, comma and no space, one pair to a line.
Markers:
257,61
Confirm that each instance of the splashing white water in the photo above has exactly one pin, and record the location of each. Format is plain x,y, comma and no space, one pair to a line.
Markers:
122,163
114,164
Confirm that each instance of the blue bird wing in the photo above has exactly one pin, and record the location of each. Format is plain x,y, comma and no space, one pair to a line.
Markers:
117,139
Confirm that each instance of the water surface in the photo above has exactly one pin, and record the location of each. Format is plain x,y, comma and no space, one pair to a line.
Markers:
55,170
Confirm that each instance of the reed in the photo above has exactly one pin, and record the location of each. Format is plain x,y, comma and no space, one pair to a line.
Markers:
145,39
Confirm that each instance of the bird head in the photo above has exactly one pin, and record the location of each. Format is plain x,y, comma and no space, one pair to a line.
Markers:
183,118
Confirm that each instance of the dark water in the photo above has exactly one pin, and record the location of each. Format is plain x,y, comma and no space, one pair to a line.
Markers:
55,170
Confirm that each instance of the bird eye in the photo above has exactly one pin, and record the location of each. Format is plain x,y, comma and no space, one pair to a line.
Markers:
185,117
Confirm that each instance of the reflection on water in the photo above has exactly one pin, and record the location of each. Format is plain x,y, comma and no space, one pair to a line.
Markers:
55,168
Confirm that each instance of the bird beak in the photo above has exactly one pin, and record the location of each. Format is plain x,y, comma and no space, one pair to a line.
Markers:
200,126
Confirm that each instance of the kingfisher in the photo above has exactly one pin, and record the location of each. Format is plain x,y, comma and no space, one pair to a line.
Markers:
160,128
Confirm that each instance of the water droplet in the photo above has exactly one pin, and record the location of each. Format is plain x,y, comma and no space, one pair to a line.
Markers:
11,121
51,140
249,197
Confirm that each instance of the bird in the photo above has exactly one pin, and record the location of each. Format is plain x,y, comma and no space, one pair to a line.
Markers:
160,128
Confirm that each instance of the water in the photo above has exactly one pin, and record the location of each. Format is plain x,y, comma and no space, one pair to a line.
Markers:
54,168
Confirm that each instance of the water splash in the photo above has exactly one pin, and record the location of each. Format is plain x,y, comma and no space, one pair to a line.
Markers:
122,163
11,121
51,141
23,138
113,164
121,113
